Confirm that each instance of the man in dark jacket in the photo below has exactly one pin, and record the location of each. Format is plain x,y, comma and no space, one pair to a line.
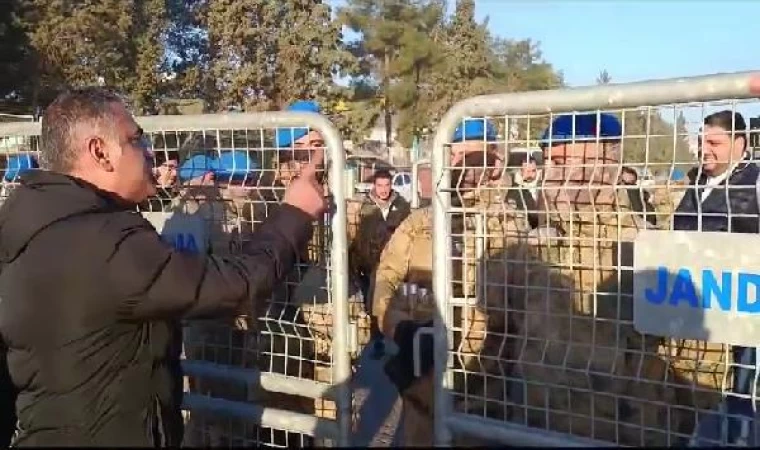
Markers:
380,214
723,197
88,288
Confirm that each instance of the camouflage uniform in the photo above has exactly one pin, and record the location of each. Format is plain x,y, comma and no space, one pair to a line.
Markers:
408,258
577,350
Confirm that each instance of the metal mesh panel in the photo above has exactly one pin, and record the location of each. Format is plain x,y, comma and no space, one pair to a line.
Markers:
535,291
231,172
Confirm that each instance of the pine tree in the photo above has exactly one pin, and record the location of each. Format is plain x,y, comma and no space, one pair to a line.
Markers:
603,78
265,53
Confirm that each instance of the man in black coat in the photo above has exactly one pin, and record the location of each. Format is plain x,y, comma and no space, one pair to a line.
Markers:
723,197
89,289
722,194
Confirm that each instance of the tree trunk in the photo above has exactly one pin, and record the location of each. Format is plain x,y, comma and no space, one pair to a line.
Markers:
386,104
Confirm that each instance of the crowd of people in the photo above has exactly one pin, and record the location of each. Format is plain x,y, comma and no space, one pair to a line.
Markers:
104,369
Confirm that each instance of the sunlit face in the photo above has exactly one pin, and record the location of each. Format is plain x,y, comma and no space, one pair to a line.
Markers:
575,174
718,150
629,177
166,173
475,164
293,161
382,188
130,157
529,171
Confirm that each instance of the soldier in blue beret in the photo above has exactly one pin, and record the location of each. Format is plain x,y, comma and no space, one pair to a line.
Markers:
295,146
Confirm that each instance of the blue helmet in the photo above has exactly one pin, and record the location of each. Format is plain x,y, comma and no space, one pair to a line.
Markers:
197,166
235,164
587,127
18,164
475,129
286,136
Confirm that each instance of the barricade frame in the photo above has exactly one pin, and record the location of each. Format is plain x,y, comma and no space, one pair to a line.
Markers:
340,391
740,85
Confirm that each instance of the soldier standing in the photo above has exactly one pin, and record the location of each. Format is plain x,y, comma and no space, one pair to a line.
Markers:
381,212
406,265
587,371
306,287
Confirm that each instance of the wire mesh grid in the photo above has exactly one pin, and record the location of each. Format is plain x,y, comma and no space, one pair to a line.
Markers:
234,179
540,313
291,336
212,431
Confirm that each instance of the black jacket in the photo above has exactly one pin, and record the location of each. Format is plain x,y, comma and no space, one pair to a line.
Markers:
88,294
525,202
742,203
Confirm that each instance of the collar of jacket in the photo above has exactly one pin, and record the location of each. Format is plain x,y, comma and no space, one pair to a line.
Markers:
701,180
44,198
382,204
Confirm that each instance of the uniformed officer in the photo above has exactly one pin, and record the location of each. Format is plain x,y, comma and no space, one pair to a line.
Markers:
307,288
586,370
403,300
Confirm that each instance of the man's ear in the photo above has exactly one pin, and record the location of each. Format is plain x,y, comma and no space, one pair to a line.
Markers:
99,152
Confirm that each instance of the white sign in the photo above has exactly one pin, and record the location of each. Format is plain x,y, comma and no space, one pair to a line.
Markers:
185,232
698,285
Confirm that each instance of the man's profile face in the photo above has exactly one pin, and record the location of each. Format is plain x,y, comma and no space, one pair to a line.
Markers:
131,157
529,171
475,165
718,150
576,174
629,177
293,161
382,188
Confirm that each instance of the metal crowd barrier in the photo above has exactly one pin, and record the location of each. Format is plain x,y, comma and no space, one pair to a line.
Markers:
567,357
282,376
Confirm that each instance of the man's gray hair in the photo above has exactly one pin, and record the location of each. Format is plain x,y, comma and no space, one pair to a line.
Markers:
63,115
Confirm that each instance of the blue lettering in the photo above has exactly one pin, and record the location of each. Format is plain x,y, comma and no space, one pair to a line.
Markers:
659,296
711,290
743,303
182,242
717,290
683,290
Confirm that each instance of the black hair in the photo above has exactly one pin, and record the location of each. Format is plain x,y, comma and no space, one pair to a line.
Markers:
729,121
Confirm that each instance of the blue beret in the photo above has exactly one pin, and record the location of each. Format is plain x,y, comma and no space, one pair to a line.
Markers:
286,136
585,128
197,166
475,130
235,164
18,164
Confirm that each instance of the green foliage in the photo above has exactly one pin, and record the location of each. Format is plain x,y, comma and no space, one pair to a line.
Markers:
265,53
411,62
655,137
14,48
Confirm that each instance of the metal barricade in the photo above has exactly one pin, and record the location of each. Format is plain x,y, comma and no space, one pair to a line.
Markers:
282,377
563,363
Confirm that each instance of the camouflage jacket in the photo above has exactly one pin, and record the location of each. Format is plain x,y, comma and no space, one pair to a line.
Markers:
572,297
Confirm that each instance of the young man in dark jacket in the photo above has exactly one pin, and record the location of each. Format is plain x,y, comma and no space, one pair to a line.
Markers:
381,213
88,288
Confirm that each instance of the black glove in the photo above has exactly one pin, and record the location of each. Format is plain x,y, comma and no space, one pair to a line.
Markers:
400,368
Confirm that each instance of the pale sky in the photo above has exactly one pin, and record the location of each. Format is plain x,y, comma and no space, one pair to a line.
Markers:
634,40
